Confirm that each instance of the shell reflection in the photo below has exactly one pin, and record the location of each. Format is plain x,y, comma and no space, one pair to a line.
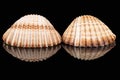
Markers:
31,54
88,53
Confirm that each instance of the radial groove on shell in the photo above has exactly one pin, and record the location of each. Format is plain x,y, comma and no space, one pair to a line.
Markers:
32,31
31,54
88,53
88,31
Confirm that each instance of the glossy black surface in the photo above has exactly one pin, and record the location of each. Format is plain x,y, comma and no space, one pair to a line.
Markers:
60,14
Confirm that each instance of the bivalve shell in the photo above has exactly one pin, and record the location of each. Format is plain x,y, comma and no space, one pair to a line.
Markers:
32,31
88,31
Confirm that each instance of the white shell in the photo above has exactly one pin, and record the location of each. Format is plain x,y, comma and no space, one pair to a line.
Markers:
32,31
88,53
88,31
32,54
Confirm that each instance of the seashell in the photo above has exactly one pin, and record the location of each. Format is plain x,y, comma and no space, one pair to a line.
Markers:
31,54
88,53
32,31
88,31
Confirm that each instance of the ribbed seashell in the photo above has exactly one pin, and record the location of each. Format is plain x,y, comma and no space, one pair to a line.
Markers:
88,31
32,31
31,54
88,53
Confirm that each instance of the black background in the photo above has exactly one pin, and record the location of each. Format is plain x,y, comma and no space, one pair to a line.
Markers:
61,14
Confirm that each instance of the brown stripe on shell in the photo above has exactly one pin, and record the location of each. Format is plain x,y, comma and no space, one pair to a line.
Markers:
24,26
105,36
88,32
75,34
97,32
82,33
100,32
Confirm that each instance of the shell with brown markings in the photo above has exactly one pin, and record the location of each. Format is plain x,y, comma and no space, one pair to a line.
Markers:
32,31
88,31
